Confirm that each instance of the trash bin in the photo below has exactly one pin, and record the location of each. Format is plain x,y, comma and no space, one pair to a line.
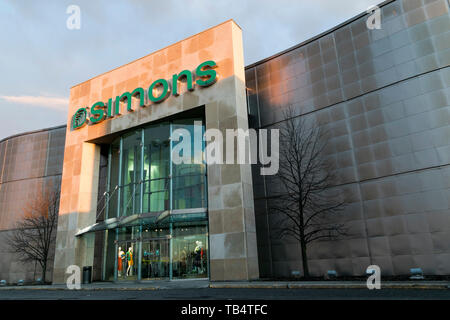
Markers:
87,275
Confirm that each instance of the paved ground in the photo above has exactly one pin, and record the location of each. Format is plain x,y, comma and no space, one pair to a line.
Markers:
227,294
204,290
197,284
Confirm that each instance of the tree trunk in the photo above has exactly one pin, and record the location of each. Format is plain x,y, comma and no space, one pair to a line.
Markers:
44,271
305,260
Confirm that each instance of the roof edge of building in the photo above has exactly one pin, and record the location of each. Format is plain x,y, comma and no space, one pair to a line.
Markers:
301,44
32,132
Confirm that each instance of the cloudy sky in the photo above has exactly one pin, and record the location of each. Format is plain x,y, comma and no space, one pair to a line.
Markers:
41,58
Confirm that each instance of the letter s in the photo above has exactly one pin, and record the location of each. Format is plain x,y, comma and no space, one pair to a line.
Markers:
207,72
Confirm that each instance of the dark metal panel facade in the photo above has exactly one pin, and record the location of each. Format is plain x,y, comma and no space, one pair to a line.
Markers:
384,96
28,162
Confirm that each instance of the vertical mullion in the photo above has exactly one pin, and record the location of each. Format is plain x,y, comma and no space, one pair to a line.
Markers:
140,253
141,199
205,173
205,204
149,177
119,182
142,173
170,203
108,198
170,171
116,255
133,194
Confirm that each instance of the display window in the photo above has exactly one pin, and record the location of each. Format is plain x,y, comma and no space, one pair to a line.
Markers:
190,252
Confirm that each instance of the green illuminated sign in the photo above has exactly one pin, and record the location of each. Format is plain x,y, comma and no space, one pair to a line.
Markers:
157,92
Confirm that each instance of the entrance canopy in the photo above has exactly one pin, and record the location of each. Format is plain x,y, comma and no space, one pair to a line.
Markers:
151,219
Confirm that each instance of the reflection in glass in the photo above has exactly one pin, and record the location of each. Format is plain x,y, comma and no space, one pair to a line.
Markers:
131,173
156,166
113,178
189,179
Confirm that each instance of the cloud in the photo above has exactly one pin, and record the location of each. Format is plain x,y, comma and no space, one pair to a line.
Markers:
56,103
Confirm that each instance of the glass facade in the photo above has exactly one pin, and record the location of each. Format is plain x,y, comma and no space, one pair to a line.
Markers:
156,206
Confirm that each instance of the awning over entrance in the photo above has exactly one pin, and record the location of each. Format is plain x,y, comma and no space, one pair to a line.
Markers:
151,219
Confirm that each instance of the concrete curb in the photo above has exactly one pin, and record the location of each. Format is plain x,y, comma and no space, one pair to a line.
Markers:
428,286
248,285
51,288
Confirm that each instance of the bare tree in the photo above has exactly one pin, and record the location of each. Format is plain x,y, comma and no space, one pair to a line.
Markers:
308,204
36,232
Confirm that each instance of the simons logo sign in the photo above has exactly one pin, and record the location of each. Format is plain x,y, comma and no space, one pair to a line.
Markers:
203,76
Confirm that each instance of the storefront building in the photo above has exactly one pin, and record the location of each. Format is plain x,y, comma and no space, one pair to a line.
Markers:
157,219
129,211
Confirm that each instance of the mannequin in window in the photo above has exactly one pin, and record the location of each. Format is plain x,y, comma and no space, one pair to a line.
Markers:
120,259
130,261
198,253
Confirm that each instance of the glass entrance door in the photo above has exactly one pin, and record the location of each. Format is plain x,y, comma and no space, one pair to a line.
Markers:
155,259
